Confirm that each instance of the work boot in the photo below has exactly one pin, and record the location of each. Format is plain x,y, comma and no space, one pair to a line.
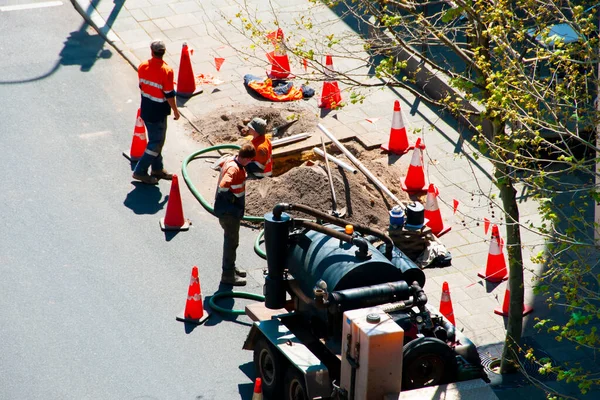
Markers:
230,278
240,272
150,180
162,174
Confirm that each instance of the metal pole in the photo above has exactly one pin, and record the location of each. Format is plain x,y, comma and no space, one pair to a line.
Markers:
335,160
289,139
358,164
333,198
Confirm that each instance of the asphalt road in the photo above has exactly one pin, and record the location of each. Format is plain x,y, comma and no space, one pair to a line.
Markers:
90,285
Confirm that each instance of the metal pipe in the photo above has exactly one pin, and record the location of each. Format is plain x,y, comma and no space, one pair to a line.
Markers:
336,161
289,139
281,207
358,164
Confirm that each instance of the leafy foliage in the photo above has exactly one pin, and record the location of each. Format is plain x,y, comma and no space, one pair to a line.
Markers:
524,75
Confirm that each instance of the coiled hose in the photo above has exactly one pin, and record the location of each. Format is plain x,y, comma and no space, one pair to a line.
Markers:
207,206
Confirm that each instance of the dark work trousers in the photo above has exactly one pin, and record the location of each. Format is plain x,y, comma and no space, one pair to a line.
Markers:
231,240
157,132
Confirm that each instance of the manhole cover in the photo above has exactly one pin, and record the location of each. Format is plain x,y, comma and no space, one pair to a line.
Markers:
490,359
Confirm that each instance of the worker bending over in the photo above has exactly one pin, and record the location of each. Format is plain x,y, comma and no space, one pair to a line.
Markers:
230,204
262,165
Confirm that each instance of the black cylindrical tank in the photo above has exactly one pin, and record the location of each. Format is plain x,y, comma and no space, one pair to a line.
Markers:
314,256
410,271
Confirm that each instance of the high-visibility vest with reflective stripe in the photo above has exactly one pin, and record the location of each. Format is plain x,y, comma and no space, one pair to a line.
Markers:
232,178
263,158
156,81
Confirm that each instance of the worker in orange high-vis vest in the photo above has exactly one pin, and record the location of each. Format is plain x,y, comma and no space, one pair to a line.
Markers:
156,80
262,165
230,205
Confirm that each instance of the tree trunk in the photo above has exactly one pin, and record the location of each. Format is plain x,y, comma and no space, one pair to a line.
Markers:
508,194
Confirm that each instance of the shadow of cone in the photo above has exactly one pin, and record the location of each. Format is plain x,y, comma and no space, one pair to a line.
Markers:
186,81
139,141
415,177
330,95
257,395
506,303
174,220
194,311
432,213
398,142
495,270
446,304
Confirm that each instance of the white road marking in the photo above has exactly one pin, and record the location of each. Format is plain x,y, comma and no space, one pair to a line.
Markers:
31,6
92,135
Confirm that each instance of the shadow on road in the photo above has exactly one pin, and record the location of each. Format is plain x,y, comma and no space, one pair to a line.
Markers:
81,47
145,199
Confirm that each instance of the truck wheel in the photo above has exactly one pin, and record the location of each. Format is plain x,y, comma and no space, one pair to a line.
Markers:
295,385
427,361
270,366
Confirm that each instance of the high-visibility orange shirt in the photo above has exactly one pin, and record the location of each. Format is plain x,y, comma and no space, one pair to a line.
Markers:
264,150
156,86
230,198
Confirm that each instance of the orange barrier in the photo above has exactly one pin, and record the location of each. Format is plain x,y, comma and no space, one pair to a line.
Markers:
506,303
415,178
174,220
194,311
330,95
398,142
139,141
432,213
495,270
446,304
186,82
257,395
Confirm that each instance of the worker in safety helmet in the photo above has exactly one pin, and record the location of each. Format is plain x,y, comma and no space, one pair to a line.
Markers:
261,166
158,99
230,203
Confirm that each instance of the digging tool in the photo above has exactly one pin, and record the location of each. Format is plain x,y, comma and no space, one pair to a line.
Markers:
279,130
335,212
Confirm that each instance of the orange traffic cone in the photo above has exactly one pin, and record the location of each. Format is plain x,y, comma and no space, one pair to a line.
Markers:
415,177
280,63
186,81
398,143
174,221
446,304
505,304
139,141
330,95
194,311
495,270
257,395
432,212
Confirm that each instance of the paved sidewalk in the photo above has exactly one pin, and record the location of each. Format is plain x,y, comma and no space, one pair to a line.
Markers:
131,25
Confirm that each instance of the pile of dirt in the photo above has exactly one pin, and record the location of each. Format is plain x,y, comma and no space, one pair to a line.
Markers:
228,124
308,184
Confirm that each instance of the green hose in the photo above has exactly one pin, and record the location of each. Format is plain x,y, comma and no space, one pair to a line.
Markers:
259,252
238,295
193,189
210,209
